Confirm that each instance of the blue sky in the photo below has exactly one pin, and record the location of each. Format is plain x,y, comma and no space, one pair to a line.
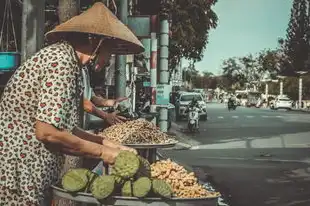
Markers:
245,26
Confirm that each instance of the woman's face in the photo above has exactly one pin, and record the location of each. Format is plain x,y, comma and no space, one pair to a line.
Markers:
104,57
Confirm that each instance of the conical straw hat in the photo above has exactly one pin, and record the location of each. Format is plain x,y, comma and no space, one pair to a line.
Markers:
99,20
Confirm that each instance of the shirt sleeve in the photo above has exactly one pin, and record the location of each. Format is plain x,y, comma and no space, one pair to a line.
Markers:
92,93
58,94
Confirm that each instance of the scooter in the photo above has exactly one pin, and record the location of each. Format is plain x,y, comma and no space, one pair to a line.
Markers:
193,118
231,105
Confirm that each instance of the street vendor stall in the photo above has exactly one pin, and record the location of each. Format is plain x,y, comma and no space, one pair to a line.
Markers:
151,181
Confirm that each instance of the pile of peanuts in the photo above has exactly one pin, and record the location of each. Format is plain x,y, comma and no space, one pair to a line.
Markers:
136,132
183,183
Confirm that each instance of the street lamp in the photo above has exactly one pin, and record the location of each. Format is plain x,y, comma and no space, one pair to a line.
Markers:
281,83
300,73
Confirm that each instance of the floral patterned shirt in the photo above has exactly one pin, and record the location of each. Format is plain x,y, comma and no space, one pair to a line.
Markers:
48,88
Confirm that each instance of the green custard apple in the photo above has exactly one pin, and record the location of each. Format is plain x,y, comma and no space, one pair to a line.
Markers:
103,187
75,180
126,165
162,188
141,187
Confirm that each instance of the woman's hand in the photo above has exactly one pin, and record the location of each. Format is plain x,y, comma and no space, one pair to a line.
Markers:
116,145
113,118
109,154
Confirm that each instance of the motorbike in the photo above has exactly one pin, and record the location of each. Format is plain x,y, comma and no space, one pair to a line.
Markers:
231,105
193,118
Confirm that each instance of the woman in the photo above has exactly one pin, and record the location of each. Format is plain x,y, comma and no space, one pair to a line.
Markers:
41,104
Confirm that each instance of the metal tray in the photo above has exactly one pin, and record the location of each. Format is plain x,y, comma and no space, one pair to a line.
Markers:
133,201
152,146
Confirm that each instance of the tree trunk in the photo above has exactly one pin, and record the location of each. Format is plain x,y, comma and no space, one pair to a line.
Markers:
68,9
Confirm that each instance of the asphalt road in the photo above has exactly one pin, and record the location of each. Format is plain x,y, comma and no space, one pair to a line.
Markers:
254,157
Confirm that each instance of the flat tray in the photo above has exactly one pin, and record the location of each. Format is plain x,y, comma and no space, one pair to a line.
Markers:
152,146
133,201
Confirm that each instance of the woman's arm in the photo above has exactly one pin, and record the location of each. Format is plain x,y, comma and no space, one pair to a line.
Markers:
87,136
111,118
99,101
72,144
102,102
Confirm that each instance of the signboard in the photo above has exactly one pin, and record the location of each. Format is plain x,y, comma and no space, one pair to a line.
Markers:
146,84
163,94
140,26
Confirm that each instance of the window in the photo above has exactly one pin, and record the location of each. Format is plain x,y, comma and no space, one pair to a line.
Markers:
190,97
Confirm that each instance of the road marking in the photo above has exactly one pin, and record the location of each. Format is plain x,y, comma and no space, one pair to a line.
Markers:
249,116
263,116
220,117
255,159
235,117
279,116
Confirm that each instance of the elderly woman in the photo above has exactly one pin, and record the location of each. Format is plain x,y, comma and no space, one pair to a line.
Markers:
41,104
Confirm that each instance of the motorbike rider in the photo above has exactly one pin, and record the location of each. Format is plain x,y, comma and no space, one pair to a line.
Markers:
194,103
231,101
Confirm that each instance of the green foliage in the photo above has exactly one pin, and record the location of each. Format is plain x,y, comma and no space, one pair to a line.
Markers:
269,61
191,23
251,69
296,45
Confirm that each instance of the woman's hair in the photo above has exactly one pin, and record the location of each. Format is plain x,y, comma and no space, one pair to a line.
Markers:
81,38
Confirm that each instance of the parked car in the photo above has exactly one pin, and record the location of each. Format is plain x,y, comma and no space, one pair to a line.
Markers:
184,100
282,103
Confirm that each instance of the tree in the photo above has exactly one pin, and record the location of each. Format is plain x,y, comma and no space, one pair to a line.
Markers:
269,62
250,69
232,71
189,72
207,74
191,23
296,44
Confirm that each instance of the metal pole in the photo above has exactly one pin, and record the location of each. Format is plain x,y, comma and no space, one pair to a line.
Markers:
281,87
266,91
300,93
133,89
120,64
147,53
164,73
153,69
32,27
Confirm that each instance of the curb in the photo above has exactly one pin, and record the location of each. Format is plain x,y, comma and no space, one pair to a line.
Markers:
301,110
293,110
184,141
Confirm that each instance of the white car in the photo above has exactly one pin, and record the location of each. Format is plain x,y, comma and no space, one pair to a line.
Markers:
282,103
184,100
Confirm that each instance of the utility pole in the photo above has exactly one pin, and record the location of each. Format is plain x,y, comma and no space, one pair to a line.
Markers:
68,9
300,93
164,72
32,27
120,64
281,78
153,70
300,73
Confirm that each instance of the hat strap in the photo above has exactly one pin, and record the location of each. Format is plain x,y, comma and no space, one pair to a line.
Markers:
97,48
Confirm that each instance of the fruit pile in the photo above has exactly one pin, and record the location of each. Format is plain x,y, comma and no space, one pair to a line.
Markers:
136,132
183,183
129,176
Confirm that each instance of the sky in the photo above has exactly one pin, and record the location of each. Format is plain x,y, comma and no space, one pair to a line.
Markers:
244,26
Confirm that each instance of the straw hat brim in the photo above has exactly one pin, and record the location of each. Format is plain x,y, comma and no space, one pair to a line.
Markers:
100,21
